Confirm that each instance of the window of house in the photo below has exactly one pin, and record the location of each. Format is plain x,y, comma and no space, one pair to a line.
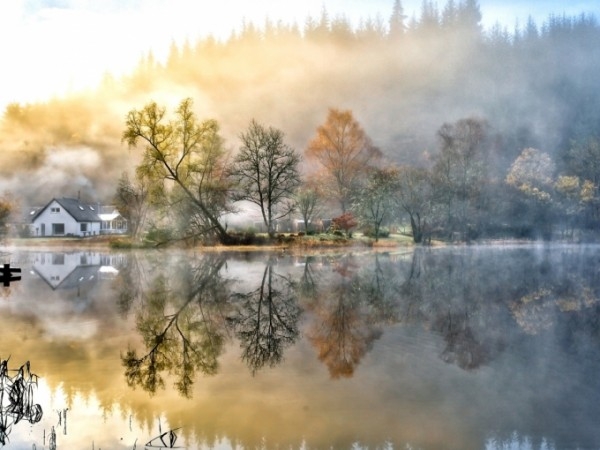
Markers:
58,259
58,228
83,227
55,209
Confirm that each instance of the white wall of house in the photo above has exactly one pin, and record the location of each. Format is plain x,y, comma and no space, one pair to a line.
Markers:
91,229
55,221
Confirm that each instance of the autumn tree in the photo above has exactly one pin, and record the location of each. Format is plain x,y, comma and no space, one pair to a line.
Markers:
570,200
532,175
344,151
185,157
266,173
583,161
344,222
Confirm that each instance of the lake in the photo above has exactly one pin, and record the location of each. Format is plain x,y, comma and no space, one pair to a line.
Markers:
474,347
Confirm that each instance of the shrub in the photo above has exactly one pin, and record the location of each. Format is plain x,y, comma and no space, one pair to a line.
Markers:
344,222
370,232
158,235
23,231
120,243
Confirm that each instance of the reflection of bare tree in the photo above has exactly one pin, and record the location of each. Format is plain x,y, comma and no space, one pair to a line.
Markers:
266,320
463,348
308,280
181,327
344,332
461,303
380,285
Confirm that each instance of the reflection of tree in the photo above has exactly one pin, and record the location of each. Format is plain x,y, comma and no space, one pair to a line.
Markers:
458,304
308,281
463,348
266,320
379,286
344,333
411,289
128,283
178,328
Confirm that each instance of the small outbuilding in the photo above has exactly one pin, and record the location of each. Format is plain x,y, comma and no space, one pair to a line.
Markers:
112,222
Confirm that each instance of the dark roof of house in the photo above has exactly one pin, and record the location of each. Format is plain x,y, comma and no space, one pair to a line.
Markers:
78,276
81,212
23,214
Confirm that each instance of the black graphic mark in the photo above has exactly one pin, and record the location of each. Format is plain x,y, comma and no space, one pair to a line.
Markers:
164,440
6,274
16,399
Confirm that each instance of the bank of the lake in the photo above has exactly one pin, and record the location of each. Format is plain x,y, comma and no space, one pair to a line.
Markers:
261,243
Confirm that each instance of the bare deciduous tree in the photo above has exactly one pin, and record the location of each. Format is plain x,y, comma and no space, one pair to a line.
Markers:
308,203
266,173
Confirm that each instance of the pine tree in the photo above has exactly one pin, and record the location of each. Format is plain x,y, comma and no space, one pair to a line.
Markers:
397,25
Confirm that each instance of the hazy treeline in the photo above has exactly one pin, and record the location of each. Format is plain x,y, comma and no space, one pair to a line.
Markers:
403,78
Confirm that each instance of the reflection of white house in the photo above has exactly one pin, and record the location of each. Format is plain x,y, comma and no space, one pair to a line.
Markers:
74,269
70,217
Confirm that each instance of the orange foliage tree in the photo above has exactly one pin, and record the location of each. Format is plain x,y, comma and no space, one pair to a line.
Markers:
344,222
344,151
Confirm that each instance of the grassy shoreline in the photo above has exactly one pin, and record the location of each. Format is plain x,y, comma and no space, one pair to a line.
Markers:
284,242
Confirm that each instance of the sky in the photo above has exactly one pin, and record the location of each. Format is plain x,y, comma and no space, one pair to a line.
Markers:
54,47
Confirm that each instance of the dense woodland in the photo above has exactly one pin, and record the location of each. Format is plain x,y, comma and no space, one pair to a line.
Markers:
471,132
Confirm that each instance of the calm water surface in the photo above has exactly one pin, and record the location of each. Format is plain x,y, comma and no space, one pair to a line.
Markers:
455,348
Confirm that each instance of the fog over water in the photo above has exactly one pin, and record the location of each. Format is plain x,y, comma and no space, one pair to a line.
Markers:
458,348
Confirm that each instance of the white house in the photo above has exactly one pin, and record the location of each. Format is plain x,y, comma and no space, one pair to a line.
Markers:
65,217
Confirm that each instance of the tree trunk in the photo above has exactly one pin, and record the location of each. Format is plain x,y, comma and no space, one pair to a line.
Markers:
416,228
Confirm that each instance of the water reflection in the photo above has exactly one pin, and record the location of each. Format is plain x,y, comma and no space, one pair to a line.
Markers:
459,348
179,316
265,320
345,323
473,300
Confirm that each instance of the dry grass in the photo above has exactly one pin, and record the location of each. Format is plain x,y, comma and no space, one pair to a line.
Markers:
282,242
